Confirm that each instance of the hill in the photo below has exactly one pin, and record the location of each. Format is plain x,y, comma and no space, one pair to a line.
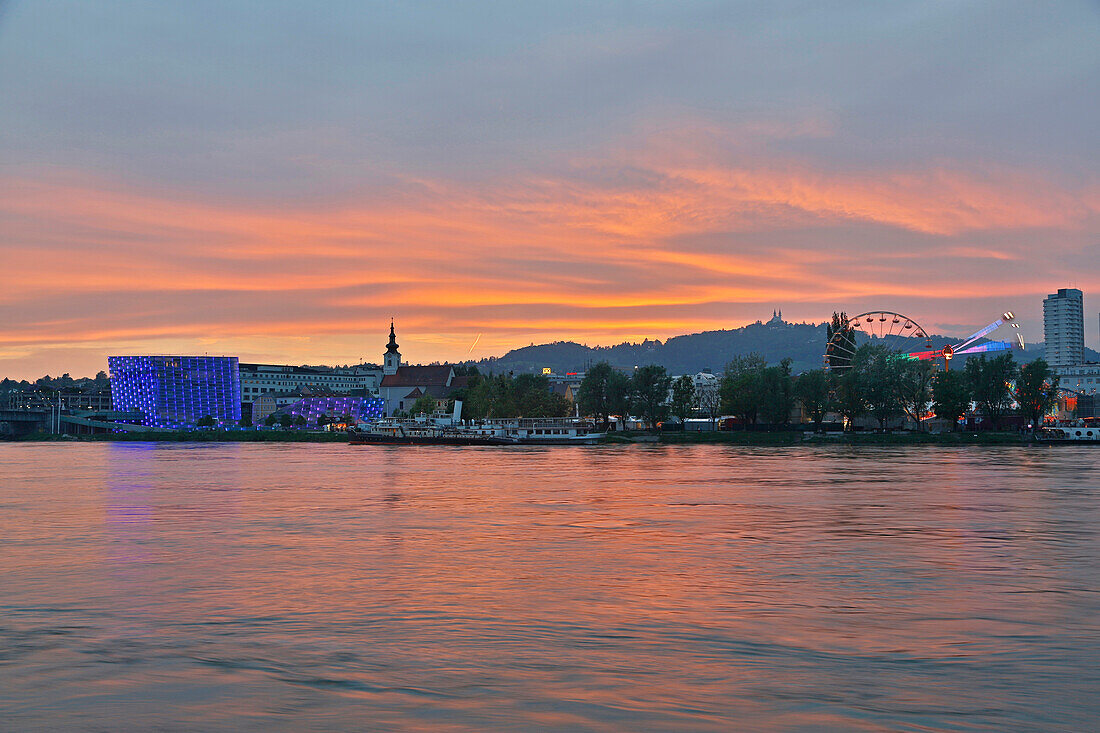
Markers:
804,343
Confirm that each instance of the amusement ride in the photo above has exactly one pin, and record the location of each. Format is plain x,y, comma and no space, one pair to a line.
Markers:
898,334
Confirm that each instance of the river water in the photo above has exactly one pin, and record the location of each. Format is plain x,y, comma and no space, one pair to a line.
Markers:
324,587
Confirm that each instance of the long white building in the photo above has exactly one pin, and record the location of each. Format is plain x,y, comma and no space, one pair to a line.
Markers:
260,379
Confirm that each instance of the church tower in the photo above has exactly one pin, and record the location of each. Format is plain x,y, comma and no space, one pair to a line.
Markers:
392,359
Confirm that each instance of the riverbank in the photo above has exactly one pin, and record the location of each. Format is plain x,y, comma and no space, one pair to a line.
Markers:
198,436
624,438
800,438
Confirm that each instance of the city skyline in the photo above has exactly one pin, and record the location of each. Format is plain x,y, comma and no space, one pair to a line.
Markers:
503,176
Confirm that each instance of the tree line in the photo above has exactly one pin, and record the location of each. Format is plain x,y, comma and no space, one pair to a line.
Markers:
874,382
502,395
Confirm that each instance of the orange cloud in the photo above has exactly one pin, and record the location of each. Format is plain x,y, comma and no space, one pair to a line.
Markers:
676,249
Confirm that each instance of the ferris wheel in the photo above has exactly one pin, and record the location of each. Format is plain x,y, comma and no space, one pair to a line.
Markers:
903,336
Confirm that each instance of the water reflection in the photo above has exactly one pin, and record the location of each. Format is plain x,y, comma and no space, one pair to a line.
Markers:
715,588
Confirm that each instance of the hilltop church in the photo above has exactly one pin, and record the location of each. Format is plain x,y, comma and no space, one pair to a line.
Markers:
402,386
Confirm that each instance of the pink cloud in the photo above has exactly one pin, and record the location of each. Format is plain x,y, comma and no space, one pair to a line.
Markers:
586,256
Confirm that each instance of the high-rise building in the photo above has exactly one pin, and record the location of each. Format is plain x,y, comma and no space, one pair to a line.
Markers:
177,391
1064,327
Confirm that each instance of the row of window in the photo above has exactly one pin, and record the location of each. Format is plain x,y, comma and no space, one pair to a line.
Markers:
264,390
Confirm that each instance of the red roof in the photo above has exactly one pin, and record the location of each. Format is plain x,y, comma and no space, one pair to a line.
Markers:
419,376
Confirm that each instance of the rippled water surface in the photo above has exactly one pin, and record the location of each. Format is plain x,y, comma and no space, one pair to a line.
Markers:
323,587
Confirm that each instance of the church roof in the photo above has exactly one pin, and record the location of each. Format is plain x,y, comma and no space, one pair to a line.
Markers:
419,376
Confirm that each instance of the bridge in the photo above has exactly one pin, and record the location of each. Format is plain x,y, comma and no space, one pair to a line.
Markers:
111,420
25,422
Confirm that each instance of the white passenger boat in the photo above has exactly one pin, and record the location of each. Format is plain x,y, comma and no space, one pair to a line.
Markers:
409,432
1069,434
443,429
546,430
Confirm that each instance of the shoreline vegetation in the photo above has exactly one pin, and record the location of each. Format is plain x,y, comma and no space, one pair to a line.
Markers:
733,437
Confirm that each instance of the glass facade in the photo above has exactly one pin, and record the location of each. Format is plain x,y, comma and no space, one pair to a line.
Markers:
176,392
361,409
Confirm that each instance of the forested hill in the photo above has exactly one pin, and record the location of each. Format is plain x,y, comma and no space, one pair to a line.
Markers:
803,343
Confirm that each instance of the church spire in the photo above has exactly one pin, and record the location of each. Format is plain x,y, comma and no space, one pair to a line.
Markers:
391,360
391,347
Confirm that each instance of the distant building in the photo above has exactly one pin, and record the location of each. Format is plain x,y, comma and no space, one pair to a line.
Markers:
706,385
261,379
176,391
402,386
1064,328
558,382
266,404
1083,378
93,400
777,319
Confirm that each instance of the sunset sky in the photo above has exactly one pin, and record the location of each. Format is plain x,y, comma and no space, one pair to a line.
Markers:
277,180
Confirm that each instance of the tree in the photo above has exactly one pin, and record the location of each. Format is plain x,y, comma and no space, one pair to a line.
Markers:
989,380
649,389
683,397
206,421
620,393
842,348
300,421
710,402
811,389
323,419
346,419
847,394
950,396
914,386
533,397
740,389
1036,391
270,420
877,373
560,406
501,396
776,393
600,392
425,403
245,422
286,420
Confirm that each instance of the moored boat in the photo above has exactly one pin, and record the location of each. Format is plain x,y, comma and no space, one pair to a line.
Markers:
445,431
404,432
1069,434
548,430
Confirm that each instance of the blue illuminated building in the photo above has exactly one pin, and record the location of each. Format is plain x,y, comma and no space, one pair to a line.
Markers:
177,391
